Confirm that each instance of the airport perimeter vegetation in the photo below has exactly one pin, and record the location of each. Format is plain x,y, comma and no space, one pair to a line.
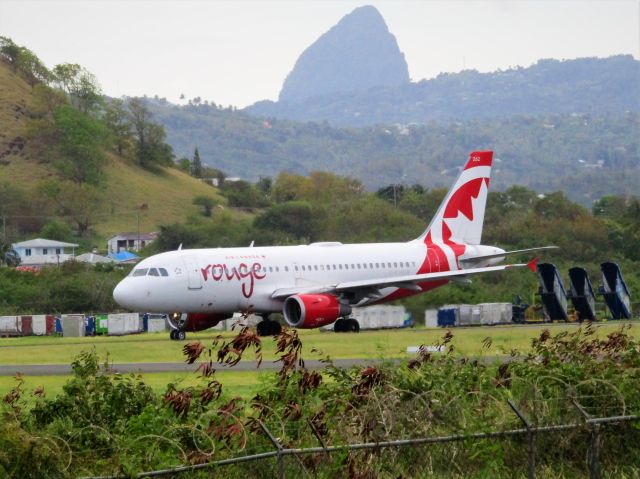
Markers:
367,345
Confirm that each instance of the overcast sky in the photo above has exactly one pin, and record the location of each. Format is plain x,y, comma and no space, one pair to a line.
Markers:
239,52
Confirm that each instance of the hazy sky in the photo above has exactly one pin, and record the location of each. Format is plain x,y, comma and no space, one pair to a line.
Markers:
239,52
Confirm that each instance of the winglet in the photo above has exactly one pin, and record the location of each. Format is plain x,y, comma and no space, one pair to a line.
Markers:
533,264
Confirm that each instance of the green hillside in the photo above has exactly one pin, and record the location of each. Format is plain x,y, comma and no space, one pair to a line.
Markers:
586,156
128,194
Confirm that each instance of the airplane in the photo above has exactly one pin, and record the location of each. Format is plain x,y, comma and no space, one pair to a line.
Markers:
318,284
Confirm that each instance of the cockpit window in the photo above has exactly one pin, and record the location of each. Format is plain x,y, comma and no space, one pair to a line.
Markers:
140,272
163,272
153,272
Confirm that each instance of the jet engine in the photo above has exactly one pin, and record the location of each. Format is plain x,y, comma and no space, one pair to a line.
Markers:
313,310
195,321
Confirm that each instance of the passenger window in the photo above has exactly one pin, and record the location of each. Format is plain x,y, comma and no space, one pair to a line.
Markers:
315,267
395,265
153,272
364,265
377,265
163,272
353,266
286,268
296,268
340,266
303,268
370,265
140,272
358,265
388,265
270,269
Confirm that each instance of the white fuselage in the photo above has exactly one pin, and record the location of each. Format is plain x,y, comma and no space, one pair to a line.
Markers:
226,280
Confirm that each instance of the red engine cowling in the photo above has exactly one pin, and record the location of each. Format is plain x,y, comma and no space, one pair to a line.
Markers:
313,310
201,321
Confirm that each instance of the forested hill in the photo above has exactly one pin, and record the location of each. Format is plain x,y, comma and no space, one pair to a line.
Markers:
584,155
550,87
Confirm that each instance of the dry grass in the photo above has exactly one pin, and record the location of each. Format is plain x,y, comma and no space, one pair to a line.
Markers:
131,192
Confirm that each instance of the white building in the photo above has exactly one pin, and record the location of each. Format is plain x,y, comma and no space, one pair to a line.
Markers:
129,241
40,252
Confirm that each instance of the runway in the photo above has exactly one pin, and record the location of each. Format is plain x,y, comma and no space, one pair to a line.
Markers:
126,368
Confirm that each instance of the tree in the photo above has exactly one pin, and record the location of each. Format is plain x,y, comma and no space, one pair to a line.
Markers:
79,202
207,204
149,137
9,51
8,255
117,121
184,164
32,68
196,165
79,84
295,218
78,152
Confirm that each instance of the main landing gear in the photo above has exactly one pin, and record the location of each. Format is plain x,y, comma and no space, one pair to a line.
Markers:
268,327
346,325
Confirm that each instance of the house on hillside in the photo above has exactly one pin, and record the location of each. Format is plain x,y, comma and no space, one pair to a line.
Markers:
41,252
130,241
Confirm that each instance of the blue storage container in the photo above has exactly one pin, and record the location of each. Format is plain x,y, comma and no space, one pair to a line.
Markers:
90,326
58,325
446,317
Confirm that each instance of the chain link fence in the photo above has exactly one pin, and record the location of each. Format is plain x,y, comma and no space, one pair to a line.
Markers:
584,446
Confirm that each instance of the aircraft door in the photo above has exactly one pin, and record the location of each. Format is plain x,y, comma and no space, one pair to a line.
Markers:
434,261
194,278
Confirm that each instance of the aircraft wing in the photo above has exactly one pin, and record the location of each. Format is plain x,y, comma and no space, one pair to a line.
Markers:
475,259
406,282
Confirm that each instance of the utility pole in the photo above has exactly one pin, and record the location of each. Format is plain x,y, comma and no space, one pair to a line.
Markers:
138,223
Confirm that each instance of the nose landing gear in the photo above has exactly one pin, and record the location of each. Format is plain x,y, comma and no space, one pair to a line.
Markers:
177,335
177,322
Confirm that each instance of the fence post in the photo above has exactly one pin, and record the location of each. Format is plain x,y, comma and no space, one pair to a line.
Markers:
531,457
594,449
279,447
594,444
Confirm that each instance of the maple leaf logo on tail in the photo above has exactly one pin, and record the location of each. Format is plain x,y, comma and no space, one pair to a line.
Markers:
459,219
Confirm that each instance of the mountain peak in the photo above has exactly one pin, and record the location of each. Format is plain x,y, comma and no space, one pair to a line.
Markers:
357,54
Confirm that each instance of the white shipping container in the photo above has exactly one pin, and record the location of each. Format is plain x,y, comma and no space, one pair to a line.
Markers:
9,325
226,325
495,313
377,317
156,325
431,318
123,323
72,325
39,324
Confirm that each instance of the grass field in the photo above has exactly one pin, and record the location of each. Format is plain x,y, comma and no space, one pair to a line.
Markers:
236,383
367,344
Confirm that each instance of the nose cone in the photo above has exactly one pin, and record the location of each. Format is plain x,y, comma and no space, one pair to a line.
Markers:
123,294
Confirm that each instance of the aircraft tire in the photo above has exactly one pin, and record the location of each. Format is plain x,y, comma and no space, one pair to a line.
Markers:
181,335
339,326
173,335
354,325
276,328
268,327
